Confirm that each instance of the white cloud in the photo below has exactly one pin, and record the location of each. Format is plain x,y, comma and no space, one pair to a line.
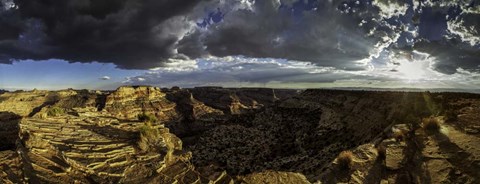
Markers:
468,34
231,69
239,71
8,4
105,78
391,8
178,65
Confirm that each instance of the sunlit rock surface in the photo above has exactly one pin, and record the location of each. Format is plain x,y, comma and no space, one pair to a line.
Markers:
27,103
226,135
237,101
128,102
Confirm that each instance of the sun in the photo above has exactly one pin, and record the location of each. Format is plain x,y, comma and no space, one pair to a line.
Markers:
412,70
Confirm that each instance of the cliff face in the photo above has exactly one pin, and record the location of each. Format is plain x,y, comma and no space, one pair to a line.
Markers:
192,109
128,102
79,136
238,101
196,117
305,133
68,149
300,134
223,135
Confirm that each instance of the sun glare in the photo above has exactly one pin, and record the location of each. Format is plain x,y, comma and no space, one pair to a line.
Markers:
412,70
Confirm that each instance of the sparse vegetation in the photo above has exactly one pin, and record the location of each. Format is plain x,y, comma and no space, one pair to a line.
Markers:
344,159
150,118
150,138
55,111
399,135
431,124
382,151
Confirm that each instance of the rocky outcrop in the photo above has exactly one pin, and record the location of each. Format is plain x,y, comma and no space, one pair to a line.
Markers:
8,130
422,157
299,134
303,134
366,166
465,113
192,109
196,117
224,135
395,154
11,170
450,155
27,103
70,149
128,102
223,99
238,101
80,99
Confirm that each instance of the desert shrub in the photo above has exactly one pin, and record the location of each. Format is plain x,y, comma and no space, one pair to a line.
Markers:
147,117
399,135
150,138
344,159
382,151
55,111
431,124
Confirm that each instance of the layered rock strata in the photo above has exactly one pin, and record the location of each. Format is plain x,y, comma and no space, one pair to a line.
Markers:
225,135
129,102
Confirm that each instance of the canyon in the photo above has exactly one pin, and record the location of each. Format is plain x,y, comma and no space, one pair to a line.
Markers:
144,134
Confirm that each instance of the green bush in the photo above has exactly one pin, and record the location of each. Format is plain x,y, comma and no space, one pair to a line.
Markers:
55,111
147,118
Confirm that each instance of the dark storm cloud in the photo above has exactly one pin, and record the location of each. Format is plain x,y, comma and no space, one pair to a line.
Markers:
318,32
451,56
142,34
450,32
192,45
10,24
128,33
10,28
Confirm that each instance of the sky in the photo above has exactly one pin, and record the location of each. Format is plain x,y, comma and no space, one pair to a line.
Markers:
103,44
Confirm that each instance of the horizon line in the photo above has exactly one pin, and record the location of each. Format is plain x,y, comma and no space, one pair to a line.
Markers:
403,89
